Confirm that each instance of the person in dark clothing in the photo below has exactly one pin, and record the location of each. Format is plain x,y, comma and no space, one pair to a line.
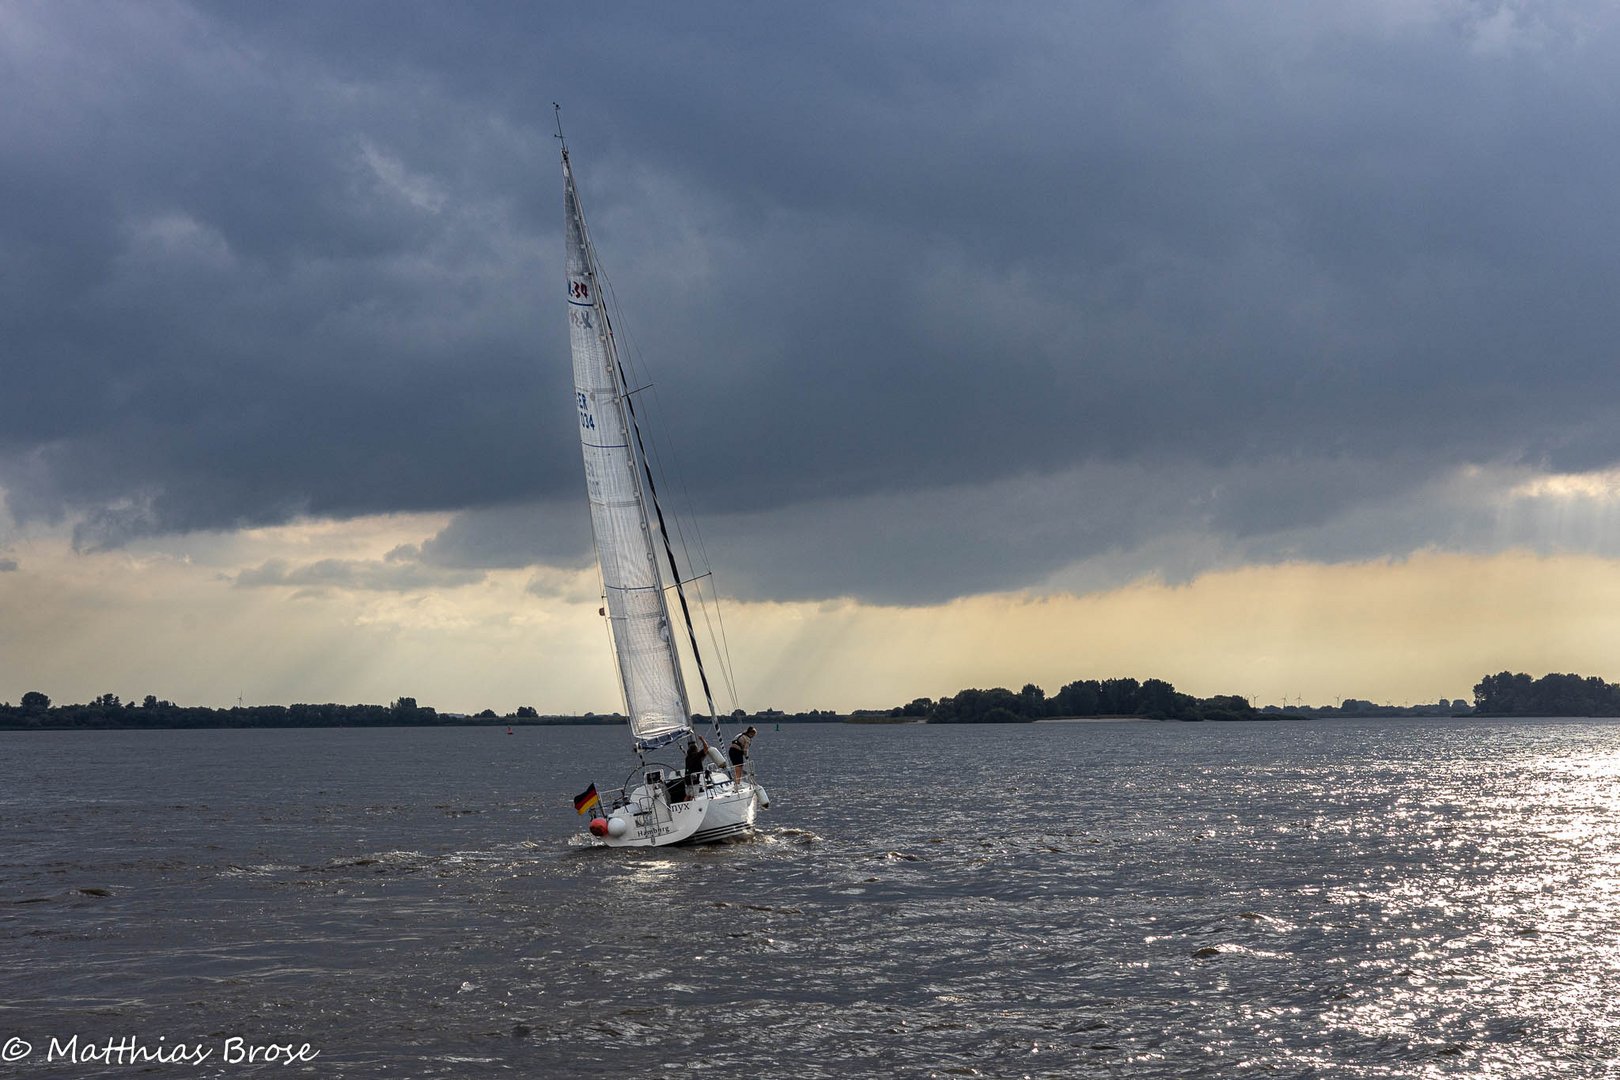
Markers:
696,751
739,751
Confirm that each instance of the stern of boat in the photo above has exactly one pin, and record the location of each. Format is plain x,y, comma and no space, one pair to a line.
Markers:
660,812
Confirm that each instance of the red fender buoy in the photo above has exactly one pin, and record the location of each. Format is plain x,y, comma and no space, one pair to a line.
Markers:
599,826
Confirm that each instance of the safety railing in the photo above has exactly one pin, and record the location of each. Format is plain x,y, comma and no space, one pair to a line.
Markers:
676,786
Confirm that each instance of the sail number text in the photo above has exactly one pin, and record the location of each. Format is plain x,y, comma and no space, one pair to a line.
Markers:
586,420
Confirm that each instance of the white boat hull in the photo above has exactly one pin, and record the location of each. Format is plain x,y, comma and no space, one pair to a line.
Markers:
730,814
723,810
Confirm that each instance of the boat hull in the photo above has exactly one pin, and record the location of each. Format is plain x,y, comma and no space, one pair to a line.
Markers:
714,814
730,815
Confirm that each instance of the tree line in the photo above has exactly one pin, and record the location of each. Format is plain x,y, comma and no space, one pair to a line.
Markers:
1516,694
1153,699
1503,694
107,711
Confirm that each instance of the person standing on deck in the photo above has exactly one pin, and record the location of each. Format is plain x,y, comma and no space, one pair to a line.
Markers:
696,751
739,751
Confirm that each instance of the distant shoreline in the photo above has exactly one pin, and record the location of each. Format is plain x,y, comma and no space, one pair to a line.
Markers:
8,727
230,723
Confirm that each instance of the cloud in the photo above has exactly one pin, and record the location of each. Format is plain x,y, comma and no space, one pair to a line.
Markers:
8,566
389,575
514,536
1086,529
929,306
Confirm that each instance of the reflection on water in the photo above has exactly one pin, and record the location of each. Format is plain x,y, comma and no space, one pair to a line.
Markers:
1347,899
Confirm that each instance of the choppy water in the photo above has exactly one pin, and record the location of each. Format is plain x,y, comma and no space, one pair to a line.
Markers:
1136,900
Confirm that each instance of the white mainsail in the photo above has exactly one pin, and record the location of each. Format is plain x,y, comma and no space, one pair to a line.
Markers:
643,640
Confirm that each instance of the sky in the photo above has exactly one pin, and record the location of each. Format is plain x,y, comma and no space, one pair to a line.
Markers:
1267,350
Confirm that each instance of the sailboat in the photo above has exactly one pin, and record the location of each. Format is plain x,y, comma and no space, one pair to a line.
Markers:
707,798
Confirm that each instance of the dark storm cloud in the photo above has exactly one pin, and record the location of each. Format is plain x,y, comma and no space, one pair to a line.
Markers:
509,537
259,261
1100,526
937,543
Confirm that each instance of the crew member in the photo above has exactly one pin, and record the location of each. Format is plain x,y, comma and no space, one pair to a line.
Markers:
739,751
695,752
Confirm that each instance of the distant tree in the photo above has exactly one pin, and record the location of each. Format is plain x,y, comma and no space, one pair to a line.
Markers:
487,714
107,701
1516,694
1504,694
1156,698
406,711
35,700
1120,697
971,706
526,712
1032,701
1226,707
1080,698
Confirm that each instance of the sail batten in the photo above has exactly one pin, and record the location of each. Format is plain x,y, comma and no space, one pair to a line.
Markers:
649,666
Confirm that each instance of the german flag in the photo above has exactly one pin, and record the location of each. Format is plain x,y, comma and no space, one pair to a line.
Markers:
586,800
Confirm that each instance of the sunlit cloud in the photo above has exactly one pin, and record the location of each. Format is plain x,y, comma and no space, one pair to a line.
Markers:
386,575
1600,486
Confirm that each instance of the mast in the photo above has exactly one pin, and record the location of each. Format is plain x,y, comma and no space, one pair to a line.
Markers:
617,483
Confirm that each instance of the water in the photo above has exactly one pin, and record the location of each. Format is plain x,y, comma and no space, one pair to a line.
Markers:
1378,899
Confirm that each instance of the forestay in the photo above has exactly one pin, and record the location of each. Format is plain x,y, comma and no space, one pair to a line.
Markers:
649,667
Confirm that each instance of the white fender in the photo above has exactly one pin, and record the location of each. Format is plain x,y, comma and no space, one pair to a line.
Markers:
718,758
762,797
